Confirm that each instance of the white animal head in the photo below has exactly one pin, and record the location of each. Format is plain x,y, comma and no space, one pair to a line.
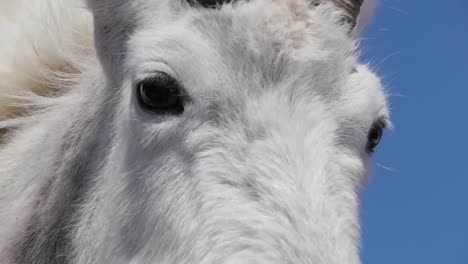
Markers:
236,134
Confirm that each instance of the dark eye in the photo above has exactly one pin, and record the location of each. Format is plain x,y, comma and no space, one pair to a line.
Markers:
208,3
375,135
161,94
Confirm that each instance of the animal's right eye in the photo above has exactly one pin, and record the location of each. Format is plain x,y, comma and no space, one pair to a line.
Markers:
208,3
375,135
160,94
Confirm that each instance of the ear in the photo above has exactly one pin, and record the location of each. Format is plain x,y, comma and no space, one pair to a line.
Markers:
114,22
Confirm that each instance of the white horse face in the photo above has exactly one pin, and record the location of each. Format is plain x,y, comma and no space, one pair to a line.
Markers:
243,134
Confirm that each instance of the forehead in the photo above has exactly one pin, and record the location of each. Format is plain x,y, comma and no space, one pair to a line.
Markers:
279,36
288,27
260,43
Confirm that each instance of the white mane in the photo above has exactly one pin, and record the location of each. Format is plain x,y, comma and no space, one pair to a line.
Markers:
265,168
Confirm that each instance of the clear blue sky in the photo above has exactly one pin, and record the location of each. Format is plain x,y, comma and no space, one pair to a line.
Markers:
417,211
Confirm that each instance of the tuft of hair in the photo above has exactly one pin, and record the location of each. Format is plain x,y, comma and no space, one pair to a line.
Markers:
45,46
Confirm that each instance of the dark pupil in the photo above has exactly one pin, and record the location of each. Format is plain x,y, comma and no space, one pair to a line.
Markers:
209,3
375,136
160,93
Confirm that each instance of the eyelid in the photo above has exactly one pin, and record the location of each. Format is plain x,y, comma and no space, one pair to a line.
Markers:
384,122
148,69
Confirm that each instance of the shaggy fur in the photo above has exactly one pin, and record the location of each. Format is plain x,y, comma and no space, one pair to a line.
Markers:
264,166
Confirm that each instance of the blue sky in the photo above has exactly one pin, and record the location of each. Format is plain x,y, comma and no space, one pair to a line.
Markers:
416,212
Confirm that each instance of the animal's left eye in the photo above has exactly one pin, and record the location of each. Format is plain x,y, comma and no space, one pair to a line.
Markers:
375,136
160,94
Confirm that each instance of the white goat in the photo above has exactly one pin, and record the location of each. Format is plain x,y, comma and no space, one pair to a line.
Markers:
191,132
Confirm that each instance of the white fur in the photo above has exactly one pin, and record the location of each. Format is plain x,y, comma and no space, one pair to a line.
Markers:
265,166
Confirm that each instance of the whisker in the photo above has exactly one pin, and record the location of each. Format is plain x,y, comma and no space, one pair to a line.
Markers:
401,11
387,168
387,58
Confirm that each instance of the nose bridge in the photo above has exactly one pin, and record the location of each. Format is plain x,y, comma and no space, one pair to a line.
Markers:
295,171
297,122
294,147
304,194
270,173
296,150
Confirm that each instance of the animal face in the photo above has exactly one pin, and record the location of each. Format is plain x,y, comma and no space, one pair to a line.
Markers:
242,134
